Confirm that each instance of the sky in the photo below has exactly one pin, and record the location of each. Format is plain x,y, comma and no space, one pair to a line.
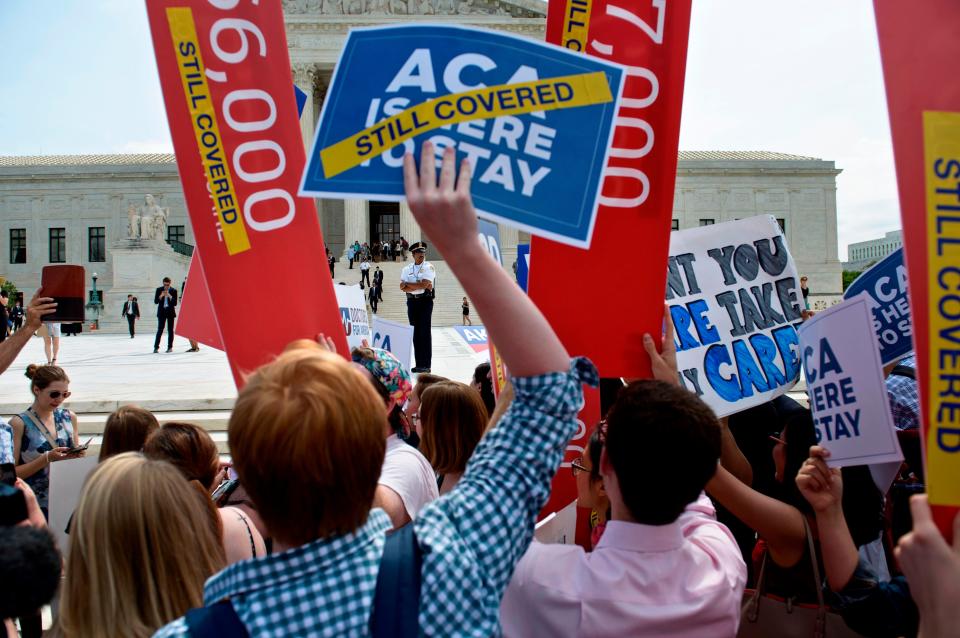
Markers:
78,76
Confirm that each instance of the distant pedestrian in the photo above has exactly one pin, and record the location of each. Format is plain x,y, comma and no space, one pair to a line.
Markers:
466,312
331,260
404,246
805,292
364,272
350,255
166,299
4,318
374,289
16,315
378,282
131,312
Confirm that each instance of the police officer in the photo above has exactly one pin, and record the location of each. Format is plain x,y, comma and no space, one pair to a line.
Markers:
416,280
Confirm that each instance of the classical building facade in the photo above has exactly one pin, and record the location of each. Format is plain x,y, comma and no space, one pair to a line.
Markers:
77,209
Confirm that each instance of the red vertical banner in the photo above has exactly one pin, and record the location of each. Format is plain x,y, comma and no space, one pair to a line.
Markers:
919,47
564,486
225,73
196,319
583,303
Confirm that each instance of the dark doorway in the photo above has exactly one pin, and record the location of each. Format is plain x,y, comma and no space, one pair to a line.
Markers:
384,221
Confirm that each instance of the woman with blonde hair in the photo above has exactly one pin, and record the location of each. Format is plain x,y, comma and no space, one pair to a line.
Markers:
453,419
143,544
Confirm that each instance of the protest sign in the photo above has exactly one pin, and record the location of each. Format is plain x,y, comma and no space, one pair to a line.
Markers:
66,483
353,313
523,265
196,319
845,384
393,337
559,527
563,489
886,284
535,122
225,75
650,39
474,336
489,235
732,289
919,48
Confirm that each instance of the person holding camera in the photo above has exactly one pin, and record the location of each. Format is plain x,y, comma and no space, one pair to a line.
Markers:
45,432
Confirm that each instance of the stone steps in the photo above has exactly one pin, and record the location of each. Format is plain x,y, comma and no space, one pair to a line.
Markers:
213,421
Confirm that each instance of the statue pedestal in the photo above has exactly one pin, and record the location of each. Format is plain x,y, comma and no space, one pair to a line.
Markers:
139,266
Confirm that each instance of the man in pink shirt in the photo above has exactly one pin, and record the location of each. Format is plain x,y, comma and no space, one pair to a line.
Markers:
664,565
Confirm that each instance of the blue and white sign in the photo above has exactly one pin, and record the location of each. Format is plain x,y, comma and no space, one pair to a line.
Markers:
523,265
848,396
474,336
534,120
489,235
886,286
353,311
393,337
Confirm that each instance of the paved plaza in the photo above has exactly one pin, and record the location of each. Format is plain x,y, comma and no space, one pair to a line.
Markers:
109,370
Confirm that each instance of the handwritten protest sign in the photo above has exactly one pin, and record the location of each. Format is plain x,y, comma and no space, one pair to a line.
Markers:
848,397
732,289
393,337
224,69
534,120
353,312
886,285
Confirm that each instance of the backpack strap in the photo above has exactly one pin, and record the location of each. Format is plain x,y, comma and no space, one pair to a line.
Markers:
904,371
219,620
396,604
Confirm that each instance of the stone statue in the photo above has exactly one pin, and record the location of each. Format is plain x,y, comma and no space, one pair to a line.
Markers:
354,7
425,8
148,213
133,220
160,223
398,7
446,7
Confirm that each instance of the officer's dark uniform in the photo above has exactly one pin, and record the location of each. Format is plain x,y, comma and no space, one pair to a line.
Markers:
420,307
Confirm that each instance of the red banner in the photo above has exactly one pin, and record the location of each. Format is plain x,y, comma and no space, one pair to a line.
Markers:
196,319
582,292
919,47
225,74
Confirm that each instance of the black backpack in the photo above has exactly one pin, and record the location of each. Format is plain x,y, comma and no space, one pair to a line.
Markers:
396,603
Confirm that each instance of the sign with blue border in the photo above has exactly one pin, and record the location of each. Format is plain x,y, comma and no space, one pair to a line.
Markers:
523,265
886,287
535,121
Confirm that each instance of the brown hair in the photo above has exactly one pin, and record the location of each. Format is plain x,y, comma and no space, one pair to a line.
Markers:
453,419
42,376
425,380
188,448
307,437
141,547
126,430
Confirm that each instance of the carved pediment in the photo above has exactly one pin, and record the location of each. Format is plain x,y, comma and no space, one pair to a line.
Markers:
512,8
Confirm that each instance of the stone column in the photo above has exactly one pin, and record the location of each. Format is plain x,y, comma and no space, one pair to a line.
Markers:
356,217
409,229
509,238
305,77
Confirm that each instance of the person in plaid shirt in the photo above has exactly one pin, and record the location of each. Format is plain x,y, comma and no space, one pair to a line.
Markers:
307,441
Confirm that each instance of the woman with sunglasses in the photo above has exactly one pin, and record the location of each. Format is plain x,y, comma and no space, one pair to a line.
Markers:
45,432
590,491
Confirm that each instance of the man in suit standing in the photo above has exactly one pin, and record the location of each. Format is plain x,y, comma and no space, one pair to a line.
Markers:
166,300
131,310
378,282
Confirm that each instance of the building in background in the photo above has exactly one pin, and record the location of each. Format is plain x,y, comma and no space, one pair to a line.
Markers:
864,253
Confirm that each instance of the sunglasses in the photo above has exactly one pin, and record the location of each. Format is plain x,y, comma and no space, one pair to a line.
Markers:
56,394
577,466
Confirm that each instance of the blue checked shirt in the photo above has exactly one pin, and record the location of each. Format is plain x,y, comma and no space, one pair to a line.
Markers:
471,538
904,394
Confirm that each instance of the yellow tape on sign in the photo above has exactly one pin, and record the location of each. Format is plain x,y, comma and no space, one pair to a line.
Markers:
480,104
203,118
941,149
576,24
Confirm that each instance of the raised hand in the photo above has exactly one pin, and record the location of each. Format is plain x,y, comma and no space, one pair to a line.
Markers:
37,309
664,362
822,486
443,209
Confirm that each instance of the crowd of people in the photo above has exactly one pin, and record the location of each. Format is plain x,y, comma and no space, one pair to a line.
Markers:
360,500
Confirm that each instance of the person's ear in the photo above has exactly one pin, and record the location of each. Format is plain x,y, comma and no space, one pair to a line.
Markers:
605,466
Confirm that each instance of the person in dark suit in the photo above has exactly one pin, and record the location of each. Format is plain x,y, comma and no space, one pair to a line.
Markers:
378,282
131,310
166,300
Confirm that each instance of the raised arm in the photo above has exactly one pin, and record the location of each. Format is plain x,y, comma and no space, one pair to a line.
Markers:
38,307
823,488
475,534
445,213
779,524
